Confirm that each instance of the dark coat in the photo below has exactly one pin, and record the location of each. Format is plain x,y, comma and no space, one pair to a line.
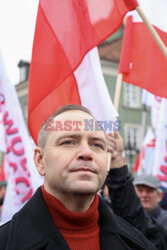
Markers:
160,215
32,228
127,205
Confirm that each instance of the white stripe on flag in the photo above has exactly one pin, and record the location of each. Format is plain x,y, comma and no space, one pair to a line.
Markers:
92,88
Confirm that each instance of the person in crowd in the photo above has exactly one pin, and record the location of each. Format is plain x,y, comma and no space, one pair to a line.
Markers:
125,201
3,185
163,203
148,190
66,212
104,193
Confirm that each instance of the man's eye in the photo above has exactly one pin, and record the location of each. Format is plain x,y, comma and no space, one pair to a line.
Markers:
98,145
69,142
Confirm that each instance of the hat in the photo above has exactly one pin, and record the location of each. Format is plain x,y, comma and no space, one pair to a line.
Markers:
147,180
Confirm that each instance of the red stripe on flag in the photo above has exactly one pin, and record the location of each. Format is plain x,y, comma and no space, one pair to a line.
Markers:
66,93
149,65
131,4
48,88
137,163
49,64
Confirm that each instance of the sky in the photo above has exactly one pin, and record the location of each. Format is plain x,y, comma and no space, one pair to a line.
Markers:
17,25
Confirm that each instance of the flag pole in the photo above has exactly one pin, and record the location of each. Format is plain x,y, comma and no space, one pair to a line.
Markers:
116,105
152,31
118,91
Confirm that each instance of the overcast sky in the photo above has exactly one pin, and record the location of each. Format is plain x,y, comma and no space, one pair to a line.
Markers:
17,24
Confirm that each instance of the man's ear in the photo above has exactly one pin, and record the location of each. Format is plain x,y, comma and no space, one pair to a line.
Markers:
39,161
161,194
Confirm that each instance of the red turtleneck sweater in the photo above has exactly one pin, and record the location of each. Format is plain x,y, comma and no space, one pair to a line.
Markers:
80,230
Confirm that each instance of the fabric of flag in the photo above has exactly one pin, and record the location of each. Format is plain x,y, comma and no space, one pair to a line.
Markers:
2,139
160,166
2,171
145,161
22,177
60,71
154,102
142,61
137,163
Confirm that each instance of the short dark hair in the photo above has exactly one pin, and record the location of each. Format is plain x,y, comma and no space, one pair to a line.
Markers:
62,109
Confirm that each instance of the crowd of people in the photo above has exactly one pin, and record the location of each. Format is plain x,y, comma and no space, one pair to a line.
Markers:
67,212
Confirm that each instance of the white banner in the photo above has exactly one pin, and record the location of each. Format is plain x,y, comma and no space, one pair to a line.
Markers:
154,102
23,177
2,139
160,168
147,154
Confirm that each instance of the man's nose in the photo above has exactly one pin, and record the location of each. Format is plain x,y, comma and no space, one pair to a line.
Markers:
85,153
144,193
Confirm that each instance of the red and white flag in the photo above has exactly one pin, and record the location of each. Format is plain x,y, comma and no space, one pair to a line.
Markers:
142,62
145,160
160,167
154,102
65,67
23,178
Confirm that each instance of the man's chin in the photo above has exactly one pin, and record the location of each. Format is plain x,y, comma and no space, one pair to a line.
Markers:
84,193
85,190
146,206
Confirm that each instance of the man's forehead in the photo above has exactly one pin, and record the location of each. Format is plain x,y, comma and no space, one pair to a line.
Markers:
74,121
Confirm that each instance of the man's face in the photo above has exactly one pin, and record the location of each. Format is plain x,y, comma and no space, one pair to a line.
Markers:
149,197
74,162
2,191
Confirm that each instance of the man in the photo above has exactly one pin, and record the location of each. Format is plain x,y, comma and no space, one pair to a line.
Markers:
148,190
67,213
3,185
125,201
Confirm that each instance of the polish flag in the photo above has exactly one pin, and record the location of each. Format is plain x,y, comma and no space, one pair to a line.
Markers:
154,102
145,161
65,67
142,62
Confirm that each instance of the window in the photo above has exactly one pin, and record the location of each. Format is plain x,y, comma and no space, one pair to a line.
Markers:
23,74
24,70
132,136
131,96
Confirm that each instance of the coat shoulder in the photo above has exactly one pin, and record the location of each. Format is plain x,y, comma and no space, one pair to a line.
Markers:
128,234
4,230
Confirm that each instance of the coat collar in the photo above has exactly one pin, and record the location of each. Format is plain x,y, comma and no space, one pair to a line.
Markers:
35,215
114,231
155,213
